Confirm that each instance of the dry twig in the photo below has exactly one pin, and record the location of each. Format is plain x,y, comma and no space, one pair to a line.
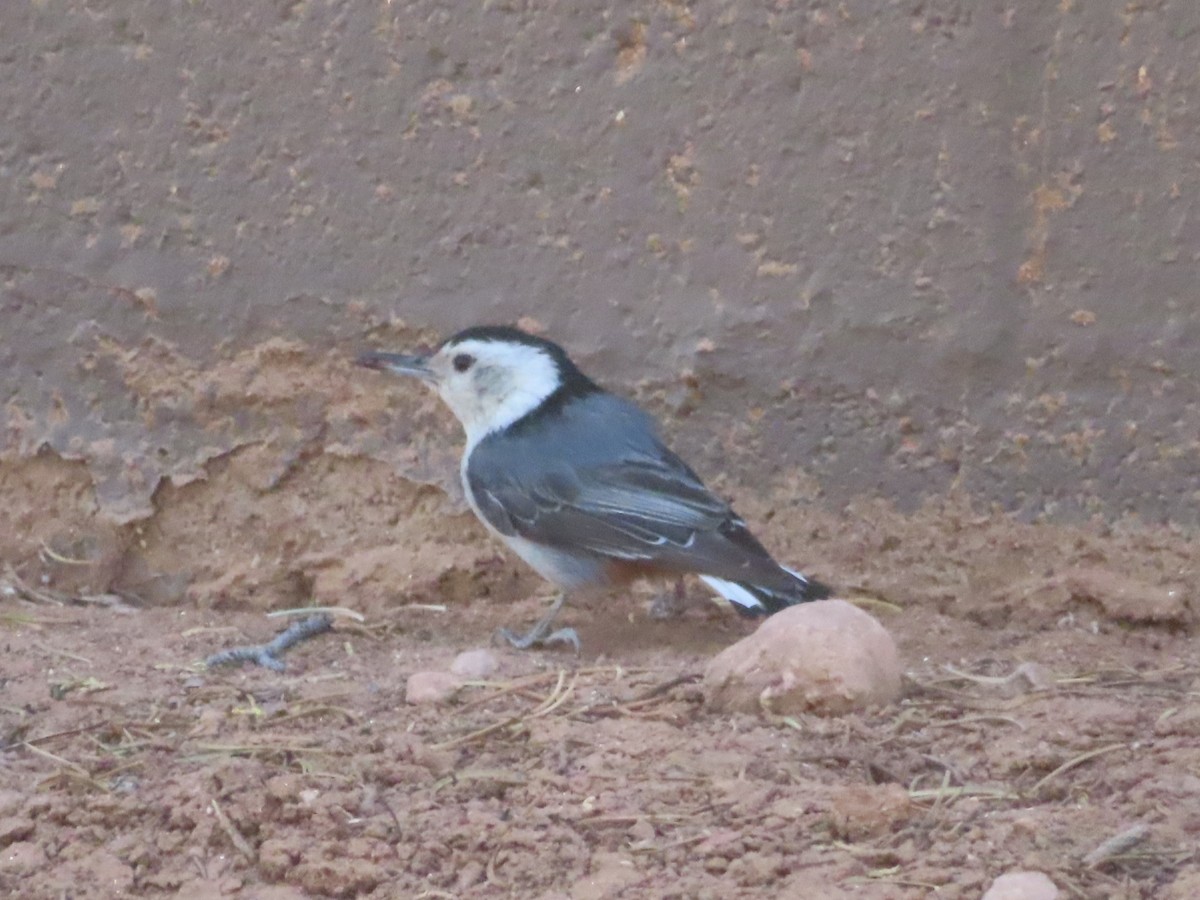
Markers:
235,837
1073,763
1117,845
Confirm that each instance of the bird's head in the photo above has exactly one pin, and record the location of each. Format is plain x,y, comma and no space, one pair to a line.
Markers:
490,376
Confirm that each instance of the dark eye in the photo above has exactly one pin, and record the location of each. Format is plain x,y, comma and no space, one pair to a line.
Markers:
463,361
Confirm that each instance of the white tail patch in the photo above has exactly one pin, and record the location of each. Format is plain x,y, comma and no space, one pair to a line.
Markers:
734,593
799,575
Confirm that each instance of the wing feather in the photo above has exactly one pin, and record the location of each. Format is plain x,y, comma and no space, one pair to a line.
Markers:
642,507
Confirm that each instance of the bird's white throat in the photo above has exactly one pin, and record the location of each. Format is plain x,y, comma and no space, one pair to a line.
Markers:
507,382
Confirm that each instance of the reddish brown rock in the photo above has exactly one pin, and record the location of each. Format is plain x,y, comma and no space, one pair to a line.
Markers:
431,687
827,657
475,665
861,811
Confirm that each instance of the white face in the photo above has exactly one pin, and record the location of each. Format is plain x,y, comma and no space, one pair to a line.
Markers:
489,385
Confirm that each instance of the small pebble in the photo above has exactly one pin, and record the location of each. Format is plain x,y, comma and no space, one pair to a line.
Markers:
641,830
427,688
1022,886
475,665
23,857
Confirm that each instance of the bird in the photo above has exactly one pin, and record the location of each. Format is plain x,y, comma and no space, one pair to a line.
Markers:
578,483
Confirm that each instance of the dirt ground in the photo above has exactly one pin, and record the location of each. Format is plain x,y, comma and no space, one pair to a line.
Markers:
1052,702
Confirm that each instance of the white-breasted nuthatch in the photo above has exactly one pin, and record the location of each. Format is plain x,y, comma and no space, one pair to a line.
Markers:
578,483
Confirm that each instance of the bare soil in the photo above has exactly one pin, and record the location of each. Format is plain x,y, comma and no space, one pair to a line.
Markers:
1052,703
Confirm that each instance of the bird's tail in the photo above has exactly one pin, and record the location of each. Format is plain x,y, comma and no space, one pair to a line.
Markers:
753,600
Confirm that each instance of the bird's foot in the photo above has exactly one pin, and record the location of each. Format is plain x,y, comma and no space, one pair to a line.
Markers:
267,655
533,638
670,605
540,634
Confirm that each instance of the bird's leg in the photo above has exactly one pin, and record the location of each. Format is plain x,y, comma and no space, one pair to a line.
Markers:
672,605
540,635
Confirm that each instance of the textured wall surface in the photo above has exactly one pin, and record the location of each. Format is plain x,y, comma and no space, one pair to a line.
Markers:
902,246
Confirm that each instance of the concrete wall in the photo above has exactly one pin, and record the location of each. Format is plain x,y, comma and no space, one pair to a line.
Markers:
897,245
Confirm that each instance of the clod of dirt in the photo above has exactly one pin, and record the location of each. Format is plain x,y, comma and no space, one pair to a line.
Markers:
861,811
427,688
83,560
1185,887
1185,722
1127,599
23,857
475,665
16,828
1022,886
10,802
827,657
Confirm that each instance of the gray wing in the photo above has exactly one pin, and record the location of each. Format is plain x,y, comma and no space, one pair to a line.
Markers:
632,503
629,510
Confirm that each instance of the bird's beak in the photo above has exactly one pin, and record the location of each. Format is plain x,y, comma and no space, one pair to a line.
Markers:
401,363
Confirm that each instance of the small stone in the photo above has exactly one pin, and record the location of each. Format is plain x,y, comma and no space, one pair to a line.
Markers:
110,874
862,811
470,875
610,875
276,856
1022,886
1128,599
23,856
642,830
475,665
427,688
461,105
827,657
283,787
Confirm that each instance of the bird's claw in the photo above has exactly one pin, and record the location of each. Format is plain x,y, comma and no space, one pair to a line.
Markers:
670,605
666,607
563,636
540,634
537,637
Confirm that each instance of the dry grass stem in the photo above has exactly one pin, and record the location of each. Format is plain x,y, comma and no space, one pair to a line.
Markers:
1117,845
235,837
1074,763
337,611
